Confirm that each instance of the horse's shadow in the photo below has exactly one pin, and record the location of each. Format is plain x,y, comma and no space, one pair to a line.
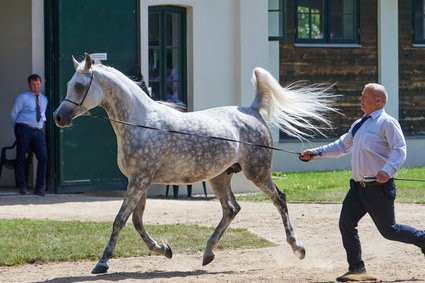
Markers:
156,274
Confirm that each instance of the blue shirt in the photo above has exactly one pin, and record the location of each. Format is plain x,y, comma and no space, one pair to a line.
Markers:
378,145
23,111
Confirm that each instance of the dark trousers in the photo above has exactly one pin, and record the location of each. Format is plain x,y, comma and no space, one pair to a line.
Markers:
27,138
377,200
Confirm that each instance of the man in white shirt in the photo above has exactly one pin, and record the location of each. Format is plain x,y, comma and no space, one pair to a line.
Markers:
28,116
378,149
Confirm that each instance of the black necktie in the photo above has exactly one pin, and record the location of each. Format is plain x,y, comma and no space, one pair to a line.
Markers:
37,108
359,124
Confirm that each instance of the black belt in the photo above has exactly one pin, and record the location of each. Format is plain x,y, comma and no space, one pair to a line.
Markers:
370,184
29,126
366,184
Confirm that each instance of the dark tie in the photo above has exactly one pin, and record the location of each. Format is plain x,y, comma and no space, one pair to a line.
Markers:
359,124
37,108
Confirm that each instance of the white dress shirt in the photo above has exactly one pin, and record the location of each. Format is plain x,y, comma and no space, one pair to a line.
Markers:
23,111
378,145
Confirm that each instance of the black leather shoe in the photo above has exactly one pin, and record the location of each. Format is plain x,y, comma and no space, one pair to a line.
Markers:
39,193
356,275
23,191
423,251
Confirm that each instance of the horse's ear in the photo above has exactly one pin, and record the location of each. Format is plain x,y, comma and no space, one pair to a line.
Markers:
88,62
76,63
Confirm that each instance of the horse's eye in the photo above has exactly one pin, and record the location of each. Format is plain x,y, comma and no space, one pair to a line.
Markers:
78,87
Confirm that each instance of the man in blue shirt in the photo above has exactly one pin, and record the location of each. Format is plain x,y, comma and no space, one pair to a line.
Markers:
378,149
28,116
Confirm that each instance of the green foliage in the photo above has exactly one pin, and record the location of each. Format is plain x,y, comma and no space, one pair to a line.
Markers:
308,23
35,241
331,186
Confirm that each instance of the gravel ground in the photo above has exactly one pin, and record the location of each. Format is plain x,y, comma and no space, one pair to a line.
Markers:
315,224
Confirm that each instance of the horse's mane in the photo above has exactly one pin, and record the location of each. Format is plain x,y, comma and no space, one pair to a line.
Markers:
136,80
139,81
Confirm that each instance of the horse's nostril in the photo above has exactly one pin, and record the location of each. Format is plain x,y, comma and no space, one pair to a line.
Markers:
57,118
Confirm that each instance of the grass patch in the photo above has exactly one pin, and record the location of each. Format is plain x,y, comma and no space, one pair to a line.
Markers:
332,186
31,241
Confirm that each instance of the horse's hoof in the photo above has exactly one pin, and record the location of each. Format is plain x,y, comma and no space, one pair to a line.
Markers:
100,268
168,252
300,252
207,259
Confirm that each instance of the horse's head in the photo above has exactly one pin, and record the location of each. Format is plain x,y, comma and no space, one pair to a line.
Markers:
83,94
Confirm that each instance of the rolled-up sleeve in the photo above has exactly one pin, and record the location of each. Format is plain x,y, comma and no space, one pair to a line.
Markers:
338,148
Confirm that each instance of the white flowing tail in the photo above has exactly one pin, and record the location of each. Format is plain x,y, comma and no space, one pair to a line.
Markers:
296,110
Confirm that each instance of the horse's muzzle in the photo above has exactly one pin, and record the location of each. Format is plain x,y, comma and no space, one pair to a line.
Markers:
60,119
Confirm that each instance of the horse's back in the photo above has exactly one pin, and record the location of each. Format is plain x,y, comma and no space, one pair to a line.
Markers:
206,153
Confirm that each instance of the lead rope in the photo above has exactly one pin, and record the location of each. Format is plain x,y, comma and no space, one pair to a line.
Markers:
189,134
398,179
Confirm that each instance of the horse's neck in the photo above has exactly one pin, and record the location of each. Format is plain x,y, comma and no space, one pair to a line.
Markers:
125,103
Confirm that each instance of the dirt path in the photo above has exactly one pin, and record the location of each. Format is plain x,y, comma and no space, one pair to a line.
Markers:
315,224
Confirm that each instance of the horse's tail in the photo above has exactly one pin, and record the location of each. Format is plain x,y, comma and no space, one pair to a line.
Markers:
296,110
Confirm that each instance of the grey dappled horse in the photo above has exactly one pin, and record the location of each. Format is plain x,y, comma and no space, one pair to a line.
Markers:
148,157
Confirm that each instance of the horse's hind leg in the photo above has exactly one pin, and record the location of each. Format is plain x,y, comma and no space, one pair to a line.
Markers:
163,249
135,190
279,200
222,190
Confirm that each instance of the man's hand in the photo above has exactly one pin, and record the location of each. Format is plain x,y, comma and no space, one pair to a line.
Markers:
382,177
307,155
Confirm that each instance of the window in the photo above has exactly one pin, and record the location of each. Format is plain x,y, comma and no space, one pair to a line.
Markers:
419,21
327,21
167,54
277,24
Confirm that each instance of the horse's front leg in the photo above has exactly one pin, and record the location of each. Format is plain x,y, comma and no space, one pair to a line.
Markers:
222,190
135,189
163,249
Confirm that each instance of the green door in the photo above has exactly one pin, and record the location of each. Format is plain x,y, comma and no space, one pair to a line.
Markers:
84,155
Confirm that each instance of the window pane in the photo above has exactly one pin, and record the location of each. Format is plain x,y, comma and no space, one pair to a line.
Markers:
336,6
335,27
172,22
167,79
342,23
275,24
316,26
422,17
310,19
173,92
419,24
153,29
316,5
349,6
274,4
154,64
349,27
155,92
303,26
173,66
303,3
276,19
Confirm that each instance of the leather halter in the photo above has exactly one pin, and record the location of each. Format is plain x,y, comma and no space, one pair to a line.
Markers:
85,95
